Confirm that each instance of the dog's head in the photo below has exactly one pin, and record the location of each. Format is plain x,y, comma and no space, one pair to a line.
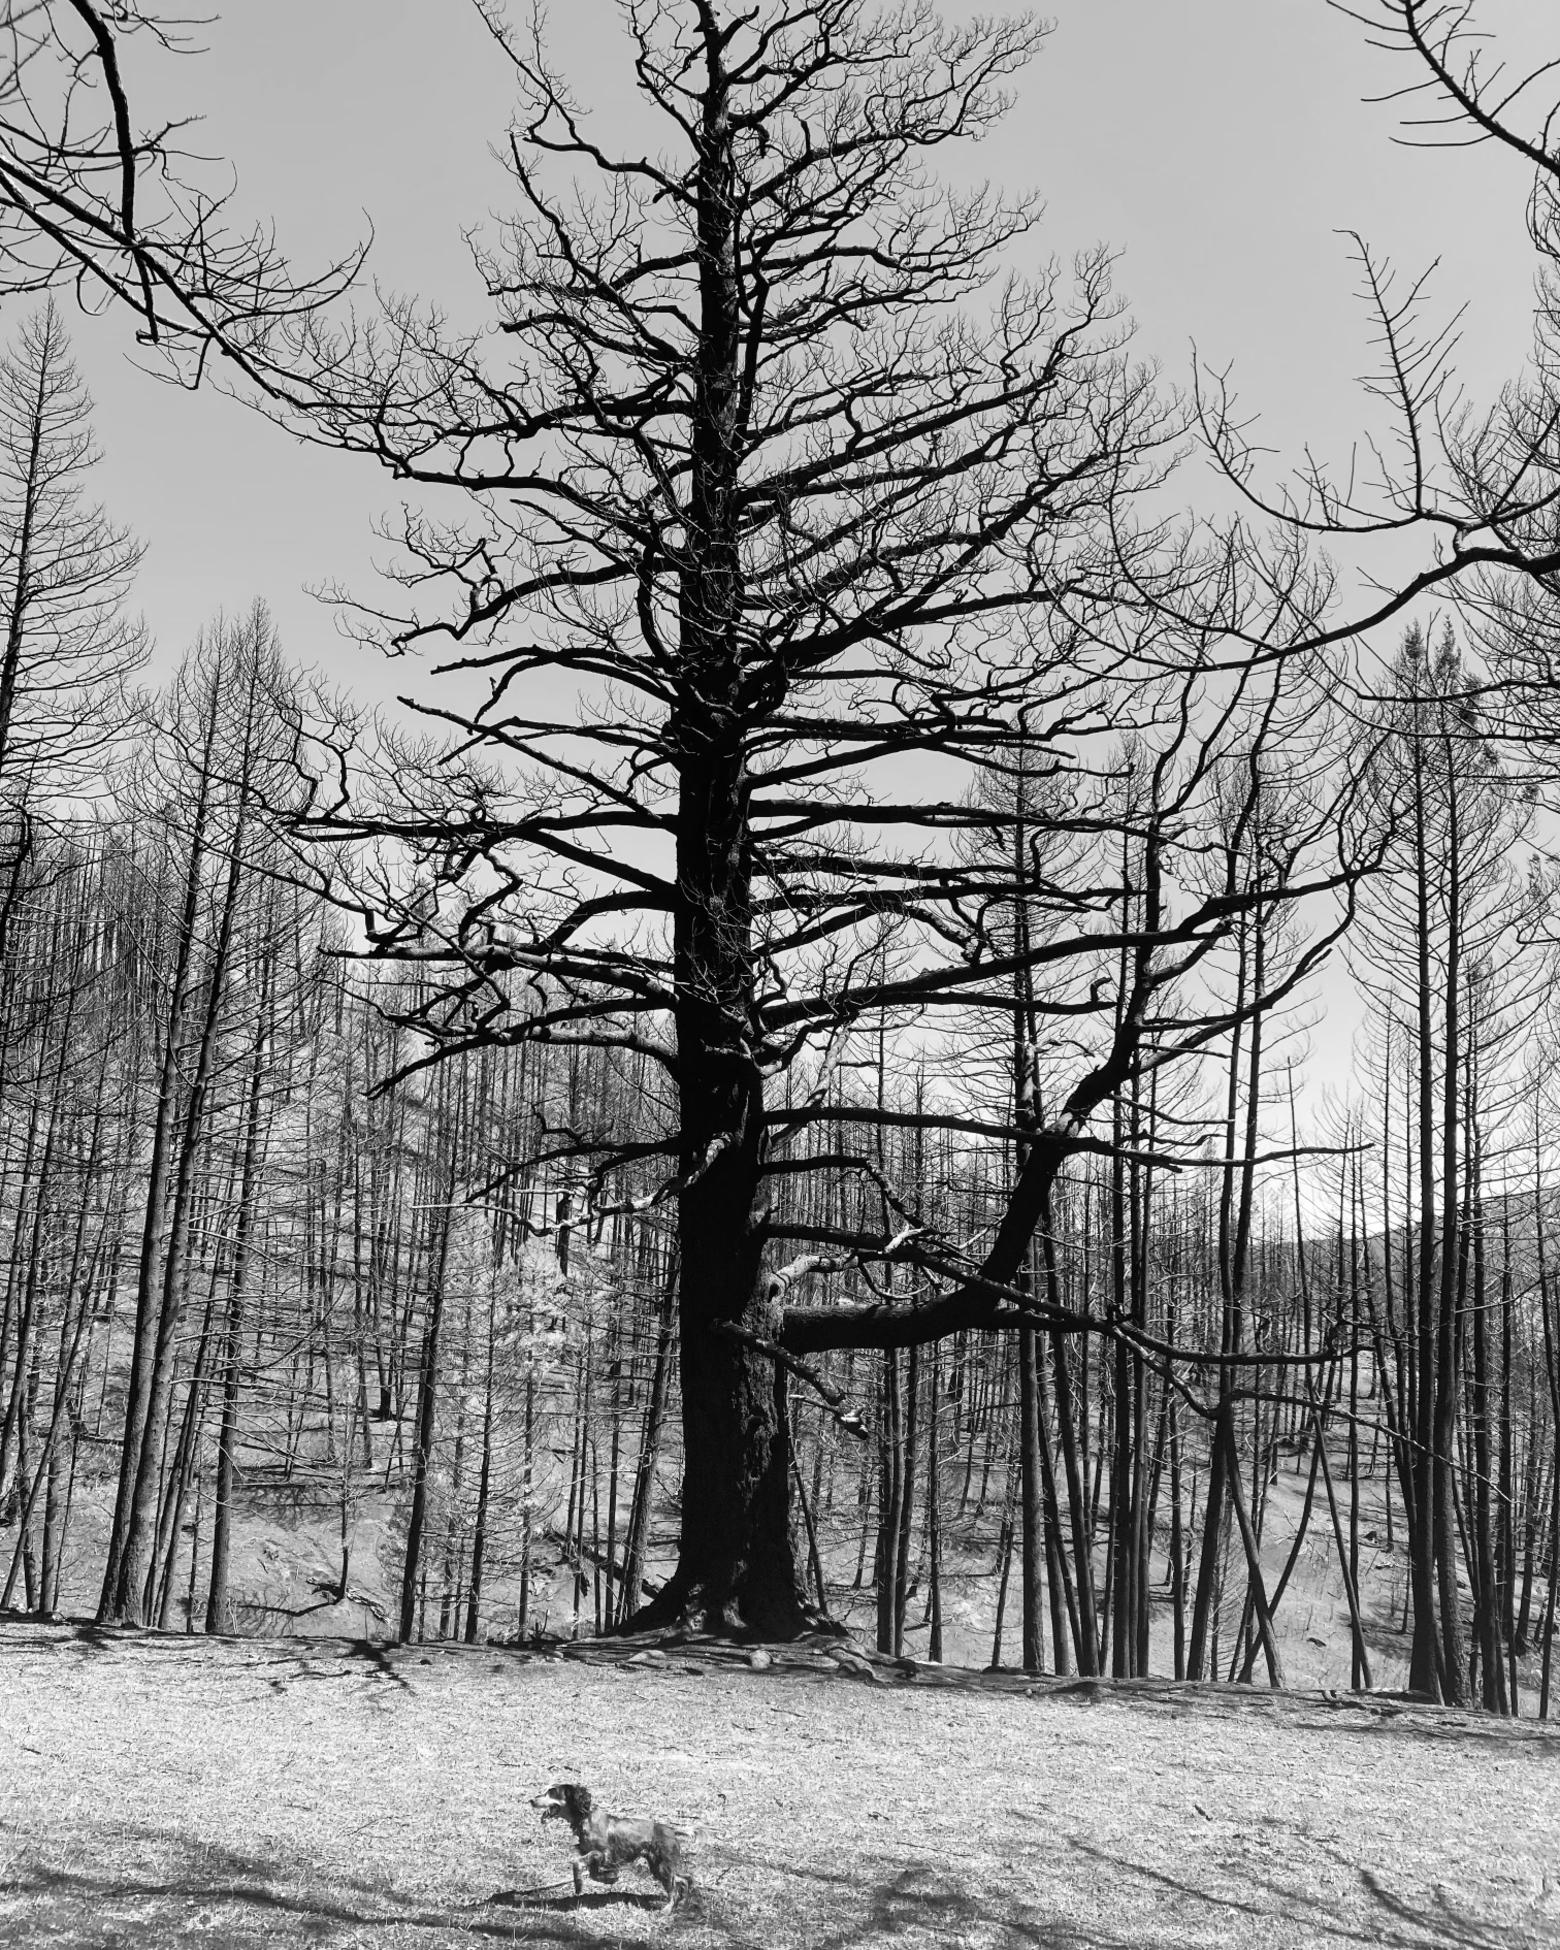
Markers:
565,1800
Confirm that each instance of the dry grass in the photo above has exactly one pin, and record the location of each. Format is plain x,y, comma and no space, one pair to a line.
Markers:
157,1791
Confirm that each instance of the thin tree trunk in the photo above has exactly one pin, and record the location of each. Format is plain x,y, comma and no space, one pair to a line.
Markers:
427,1394
649,1450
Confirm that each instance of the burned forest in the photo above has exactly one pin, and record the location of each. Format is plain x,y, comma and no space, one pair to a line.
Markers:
926,1024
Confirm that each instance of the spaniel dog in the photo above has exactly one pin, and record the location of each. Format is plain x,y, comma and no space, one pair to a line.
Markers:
605,1843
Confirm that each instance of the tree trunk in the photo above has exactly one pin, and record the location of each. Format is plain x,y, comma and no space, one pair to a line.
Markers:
649,1453
219,1603
427,1396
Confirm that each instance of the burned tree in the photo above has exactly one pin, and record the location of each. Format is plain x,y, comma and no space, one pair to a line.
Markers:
761,475
802,490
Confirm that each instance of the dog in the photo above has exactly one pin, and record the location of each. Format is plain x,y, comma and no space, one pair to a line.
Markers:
605,1843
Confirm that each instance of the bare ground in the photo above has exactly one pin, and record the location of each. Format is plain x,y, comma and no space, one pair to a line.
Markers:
170,1790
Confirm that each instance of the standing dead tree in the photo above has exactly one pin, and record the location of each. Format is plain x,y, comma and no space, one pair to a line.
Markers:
793,514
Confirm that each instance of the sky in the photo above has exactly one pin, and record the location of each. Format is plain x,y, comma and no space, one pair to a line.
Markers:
1219,146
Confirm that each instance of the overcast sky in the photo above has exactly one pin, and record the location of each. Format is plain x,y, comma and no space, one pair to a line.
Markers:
1218,145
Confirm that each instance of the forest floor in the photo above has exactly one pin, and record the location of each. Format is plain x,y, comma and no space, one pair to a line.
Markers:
158,1790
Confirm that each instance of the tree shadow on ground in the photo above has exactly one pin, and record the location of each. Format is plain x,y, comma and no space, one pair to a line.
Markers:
877,1905
1284,1910
376,1658
1083,1897
220,1896
881,1904
30,1632
27,1632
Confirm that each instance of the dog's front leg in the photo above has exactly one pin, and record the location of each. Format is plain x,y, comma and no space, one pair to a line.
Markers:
578,1865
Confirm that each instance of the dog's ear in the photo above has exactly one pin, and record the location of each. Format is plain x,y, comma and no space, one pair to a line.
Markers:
578,1799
